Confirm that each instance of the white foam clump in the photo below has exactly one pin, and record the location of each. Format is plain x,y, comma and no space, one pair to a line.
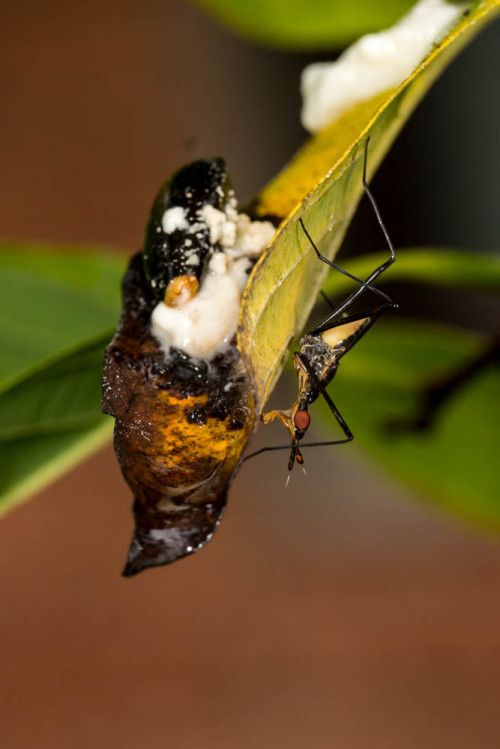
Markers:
203,326
373,64
174,218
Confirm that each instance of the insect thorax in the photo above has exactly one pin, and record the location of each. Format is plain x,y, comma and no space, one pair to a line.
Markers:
322,359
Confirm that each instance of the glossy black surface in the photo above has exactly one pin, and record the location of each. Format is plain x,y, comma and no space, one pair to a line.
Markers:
185,251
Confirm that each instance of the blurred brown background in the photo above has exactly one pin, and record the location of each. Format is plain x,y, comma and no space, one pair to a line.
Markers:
338,613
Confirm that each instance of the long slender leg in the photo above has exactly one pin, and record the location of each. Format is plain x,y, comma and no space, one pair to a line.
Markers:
333,408
331,405
305,444
338,267
284,416
372,315
378,271
325,325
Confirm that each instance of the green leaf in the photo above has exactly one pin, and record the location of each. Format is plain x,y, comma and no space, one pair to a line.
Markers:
53,301
63,396
455,268
328,171
28,464
59,312
49,421
456,463
298,25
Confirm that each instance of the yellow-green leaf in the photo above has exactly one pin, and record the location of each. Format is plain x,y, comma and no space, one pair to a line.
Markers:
323,185
59,309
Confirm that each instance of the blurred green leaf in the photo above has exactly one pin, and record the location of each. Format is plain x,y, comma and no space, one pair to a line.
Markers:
457,268
297,24
456,463
53,301
64,395
28,464
59,310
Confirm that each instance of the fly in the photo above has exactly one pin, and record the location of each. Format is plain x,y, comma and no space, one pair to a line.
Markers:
322,348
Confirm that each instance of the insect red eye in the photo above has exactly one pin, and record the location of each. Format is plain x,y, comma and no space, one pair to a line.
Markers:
302,419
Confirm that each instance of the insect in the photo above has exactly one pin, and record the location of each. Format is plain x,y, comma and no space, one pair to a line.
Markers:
184,415
322,348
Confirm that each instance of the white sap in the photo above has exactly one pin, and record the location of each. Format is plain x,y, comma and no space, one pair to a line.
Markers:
374,63
204,325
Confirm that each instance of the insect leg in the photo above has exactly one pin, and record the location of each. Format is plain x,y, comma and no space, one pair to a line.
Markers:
305,444
345,272
369,316
333,408
331,405
378,271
